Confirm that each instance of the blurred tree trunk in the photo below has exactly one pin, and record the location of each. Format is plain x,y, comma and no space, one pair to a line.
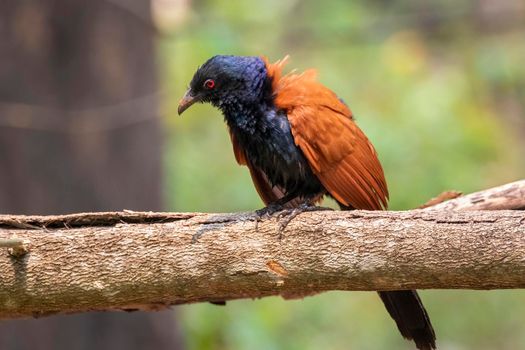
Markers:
79,131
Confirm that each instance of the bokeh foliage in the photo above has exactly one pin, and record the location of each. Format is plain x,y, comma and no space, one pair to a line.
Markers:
440,90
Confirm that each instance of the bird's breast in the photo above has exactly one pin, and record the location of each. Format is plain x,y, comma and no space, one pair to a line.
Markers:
270,146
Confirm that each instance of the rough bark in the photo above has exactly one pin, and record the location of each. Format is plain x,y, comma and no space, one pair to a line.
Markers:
135,260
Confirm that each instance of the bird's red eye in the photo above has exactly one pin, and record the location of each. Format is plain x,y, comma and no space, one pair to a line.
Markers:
209,84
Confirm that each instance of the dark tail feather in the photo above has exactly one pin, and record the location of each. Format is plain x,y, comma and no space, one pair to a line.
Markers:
411,318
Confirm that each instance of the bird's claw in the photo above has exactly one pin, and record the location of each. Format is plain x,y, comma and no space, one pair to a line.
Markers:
268,211
287,215
284,215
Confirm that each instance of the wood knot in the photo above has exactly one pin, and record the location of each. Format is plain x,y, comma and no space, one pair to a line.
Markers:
276,268
16,247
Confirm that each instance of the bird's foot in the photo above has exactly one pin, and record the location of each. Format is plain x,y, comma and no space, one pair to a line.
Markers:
269,210
287,215
266,213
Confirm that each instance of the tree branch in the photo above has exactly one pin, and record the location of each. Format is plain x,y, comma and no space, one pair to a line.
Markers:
509,196
135,260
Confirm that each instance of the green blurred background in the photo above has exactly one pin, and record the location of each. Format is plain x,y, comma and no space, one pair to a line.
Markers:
439,88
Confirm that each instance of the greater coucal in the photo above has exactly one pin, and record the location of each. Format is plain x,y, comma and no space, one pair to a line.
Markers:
300,143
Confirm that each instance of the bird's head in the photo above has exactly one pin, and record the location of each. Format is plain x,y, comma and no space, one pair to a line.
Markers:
224,81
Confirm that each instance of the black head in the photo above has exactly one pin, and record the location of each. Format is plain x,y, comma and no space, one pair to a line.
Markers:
226,80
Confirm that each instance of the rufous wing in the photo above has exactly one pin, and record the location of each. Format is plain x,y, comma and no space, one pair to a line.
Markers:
340,154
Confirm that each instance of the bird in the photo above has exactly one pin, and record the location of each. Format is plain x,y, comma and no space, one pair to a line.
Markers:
300,143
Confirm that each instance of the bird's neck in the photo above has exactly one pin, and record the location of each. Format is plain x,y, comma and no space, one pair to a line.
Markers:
246,113
245,118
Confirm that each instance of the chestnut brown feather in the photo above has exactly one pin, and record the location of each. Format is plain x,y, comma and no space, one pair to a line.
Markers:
339,153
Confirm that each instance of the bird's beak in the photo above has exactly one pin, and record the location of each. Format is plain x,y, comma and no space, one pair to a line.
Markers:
186,101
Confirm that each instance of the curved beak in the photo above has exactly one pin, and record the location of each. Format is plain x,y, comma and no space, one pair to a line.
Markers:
186,101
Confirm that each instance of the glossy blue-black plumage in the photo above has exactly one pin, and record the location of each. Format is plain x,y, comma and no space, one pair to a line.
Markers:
243,94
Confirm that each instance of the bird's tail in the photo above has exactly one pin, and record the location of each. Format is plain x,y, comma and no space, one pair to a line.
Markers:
411,318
